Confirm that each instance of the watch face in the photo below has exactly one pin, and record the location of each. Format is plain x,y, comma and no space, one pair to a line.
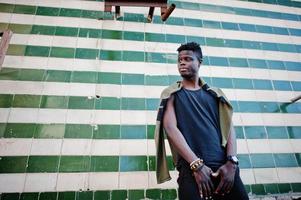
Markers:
234,158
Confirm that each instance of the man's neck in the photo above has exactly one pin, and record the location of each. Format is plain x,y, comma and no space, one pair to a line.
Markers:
192,83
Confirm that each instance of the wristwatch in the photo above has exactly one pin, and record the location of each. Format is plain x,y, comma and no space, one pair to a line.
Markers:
233,159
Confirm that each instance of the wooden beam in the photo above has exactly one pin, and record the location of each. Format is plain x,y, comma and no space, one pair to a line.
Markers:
4,43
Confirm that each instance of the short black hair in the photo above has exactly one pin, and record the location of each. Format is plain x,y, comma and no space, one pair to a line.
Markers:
192,46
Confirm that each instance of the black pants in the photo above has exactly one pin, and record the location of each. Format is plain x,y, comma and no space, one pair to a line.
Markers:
188,189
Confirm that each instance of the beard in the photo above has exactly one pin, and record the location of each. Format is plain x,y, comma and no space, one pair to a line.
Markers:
188,76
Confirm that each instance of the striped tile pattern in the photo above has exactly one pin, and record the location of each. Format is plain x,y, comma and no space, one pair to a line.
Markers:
79,92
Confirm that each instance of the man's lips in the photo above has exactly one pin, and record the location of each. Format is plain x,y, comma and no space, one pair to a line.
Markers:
183,69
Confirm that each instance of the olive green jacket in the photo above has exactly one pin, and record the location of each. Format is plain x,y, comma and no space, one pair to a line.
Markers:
225,114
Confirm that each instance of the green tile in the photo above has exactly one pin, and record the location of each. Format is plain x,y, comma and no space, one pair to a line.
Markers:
269,107
175,38
13,164
150,131
2,129
269,46
229,26
50,131
107,103
23,9
262,84
222,82
211,24
271,188
215,42
66,196
89,33
84,195
133,56
38,164
136,36
107,132
133,132
152,104
169,194
10,196
239,132
251,45
59,102
83,77
104,164
298,157
294,132
256,63
282,85
262,160
16,50
29,196
37,51
78,131
48,195
133,104
241,83
285,160
277,132
111,34
296,187
258,189
154,37
238,62
119,195
248,188
199,40
136,194
156,80
57,76
153,193
80,103
8,8
102,195
74,164
244,161
3,26
155,57
68,12
26,101
20,28
110,55
133,79
284,187
64,31
133,163
86,53
6,100
218,61
32,75
193,22
17,130
62,52
175,21
255,132
134,17
151,163
43,30
92,14
48,11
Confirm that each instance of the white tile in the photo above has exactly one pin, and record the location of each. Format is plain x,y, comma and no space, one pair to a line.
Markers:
266,175
40,182
82,89
130,44
103,181
109,44
294,76
46,147
279,74
218,72
86,65
260,73
23,115
13,61
64,41
52,115
247,176
296,145
45,20
72,181
4,113
76,147
266,95
151,147
133,91
40,40
53,88
60,64
108,90
65,21
245,95
12,183
284,96
281,146
151,117
133,147
278,119
105,147
34,62
249,119
241,72
79,116
258,146
289,175
107,117
30,87
20,39
133,117
22,19
5,17
133,180
242,147
90,43
292,119
15,147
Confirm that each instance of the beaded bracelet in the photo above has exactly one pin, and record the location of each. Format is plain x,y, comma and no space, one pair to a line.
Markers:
196,164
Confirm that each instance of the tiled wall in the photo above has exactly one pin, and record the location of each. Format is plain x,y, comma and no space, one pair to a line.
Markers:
79,92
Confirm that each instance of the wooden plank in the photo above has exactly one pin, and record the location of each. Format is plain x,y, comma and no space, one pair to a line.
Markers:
4,43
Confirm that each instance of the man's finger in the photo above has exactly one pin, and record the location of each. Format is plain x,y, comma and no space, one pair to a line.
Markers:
219,187
204,190
228,189
211,185
209,192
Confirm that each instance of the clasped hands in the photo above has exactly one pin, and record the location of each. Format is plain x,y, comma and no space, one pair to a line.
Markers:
203,179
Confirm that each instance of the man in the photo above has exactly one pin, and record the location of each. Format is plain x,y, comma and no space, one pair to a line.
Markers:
197,120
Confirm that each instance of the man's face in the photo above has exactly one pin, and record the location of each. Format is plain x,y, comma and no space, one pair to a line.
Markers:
188,64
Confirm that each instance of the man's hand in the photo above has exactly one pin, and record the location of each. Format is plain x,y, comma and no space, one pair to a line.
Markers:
203,179
227,174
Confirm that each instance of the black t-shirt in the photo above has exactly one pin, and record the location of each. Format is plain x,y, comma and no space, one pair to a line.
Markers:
198,120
